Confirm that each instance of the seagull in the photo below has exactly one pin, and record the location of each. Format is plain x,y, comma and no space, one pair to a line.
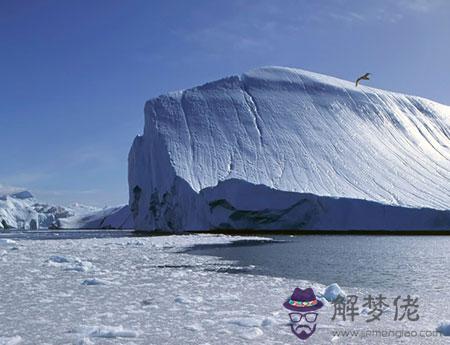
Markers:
363,77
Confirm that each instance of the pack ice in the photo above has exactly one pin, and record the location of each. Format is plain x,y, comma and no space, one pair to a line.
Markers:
283,148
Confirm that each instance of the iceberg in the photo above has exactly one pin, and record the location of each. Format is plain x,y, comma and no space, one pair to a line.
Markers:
283,148
23,211
333,292
117,217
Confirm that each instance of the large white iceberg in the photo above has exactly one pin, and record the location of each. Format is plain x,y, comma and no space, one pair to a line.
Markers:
283,148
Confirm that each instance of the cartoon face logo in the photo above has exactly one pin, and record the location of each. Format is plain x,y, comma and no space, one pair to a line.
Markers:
303,306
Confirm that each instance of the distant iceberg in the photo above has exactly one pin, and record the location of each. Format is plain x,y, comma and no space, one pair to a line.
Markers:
21,210
283,148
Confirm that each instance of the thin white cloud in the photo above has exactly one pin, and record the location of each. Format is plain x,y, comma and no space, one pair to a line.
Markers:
92,155
389,16
64,192
423,6
4,189
26,178
349,17
255,26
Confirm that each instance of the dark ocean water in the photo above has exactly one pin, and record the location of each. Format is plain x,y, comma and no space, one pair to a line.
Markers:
387,263
381,263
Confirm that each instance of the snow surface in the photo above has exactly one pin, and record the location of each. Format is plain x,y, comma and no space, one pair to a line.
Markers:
6,241
158,294
296,149
21,210
11,340
105,332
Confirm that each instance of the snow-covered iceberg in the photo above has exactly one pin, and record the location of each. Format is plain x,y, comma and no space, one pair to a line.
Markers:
283,148
22,210
118,217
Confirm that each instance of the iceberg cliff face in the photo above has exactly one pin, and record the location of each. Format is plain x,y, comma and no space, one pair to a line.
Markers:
282,148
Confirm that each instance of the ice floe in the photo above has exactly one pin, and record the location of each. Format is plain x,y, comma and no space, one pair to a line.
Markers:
94,281
69,263
16,340
156,293
7,242
444,328
105,332
332,292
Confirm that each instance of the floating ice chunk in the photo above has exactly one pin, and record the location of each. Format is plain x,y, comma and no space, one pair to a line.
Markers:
251,333
246,322
80,266
365,311
58,259
70,263
197,299
186,300
94,281
444,328
11,340
181,300
85,341
194,328
252,321
332,292
322,299
147,301
112,332
6,242
106,332
134,243
268,322
249,327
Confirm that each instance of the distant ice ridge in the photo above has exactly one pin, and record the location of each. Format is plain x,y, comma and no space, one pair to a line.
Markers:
22,210
283,148
118,217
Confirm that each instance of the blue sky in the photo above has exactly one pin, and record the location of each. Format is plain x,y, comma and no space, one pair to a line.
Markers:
75,74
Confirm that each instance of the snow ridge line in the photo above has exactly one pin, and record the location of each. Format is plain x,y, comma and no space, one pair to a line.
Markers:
253,109
191,143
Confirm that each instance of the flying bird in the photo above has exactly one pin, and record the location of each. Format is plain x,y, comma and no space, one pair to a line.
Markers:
363,77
